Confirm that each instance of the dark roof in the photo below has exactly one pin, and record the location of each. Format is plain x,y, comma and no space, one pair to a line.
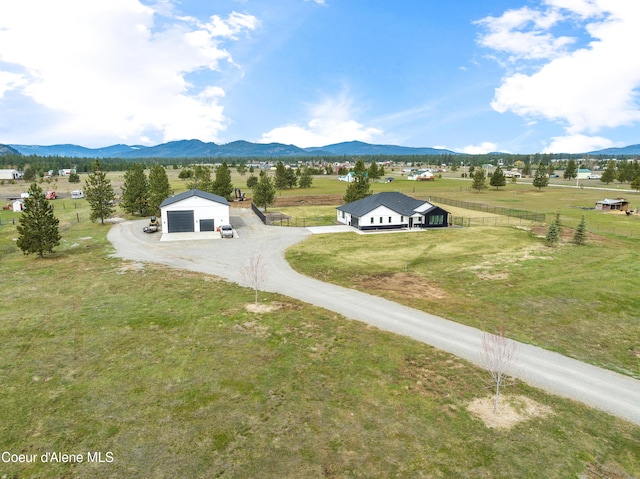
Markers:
402,204
190,193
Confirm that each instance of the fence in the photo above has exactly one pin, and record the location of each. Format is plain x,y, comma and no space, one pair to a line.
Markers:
497,210
259,213
488,221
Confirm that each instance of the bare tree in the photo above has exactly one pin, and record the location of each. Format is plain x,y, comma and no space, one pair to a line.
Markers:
254,273
498,356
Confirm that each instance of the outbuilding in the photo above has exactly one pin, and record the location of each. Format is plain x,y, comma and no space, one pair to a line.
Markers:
194,211
392,210
10,175
616,204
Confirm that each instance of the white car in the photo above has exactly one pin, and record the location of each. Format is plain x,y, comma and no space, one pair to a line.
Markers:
226,231
594,177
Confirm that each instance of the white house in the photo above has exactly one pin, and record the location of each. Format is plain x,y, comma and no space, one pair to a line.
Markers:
392,210
18,206
10,175
421,175
193,211
66,171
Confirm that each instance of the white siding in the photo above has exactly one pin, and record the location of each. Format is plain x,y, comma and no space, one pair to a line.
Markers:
203,209
380,217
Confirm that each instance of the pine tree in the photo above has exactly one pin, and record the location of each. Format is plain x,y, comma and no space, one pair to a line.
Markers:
222,185
571,170
281,176
479,179
305,178
99,194
635,183
359,187
159,189
252,181
540,179
609,174
553,235
37,227
135,190
201,179
292,179
498,179
580,235
264,193
374,171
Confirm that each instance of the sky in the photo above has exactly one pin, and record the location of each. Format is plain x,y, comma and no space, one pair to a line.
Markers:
517,76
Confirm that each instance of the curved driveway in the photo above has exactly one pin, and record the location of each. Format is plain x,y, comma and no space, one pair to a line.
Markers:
557,374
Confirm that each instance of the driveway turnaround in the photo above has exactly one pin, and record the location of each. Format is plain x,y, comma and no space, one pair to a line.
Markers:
602,389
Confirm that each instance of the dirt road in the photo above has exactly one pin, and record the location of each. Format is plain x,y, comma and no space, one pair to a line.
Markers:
552,372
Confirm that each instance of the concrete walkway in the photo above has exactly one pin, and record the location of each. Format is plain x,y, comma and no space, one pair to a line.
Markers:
552,372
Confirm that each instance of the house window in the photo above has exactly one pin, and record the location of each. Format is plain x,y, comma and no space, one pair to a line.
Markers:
342,214
436,219
389,219
372,220
381,220
401,219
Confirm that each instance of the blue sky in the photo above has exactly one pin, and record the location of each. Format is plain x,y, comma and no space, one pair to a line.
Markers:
521,76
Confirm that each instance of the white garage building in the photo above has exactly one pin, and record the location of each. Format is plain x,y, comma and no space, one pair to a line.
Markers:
193,211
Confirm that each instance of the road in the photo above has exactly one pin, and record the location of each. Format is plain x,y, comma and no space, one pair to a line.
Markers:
599,388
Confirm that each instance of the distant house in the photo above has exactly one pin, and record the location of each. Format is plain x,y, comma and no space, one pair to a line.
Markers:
583,174
421,175
10,175
194,211
66,171
392,210
617,204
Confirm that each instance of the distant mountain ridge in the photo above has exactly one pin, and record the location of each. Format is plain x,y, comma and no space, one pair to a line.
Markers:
246,149
200,149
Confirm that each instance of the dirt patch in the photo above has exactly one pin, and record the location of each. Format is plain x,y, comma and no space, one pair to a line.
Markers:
512,410
604,471
263,308
311,200
408,285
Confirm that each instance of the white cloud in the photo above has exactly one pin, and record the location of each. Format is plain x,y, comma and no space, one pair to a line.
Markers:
109,71
585,89
481,149
331,122
577,144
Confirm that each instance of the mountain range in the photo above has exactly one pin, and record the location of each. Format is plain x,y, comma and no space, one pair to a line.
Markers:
199,149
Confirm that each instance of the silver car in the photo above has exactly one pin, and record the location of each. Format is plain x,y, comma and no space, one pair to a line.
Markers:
226,231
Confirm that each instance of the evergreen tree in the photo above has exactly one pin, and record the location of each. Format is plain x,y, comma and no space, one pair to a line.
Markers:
553,235
159,189
99,194
551,169
540,179
635,183
201,179
374,171
252,181
359,187
264,193
74,178
609,174
135,190
526,169
498,179
37,227
305,178
185,174
571,171
580,235
292,180
222,185
479,179
242,169
281,176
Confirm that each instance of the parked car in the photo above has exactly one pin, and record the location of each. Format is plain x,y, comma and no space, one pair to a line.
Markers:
594,177
226,231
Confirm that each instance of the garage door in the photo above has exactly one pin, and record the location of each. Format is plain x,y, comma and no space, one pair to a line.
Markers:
207,225
180,221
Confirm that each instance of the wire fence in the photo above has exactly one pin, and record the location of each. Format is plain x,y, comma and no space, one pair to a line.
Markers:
496,210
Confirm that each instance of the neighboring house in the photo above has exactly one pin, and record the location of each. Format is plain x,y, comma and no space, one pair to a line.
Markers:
10,175
66,171
421,175
194,211
512,174
18,206
349,177
392,210
583,174
617,204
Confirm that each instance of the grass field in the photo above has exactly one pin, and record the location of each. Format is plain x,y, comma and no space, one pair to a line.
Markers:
169,372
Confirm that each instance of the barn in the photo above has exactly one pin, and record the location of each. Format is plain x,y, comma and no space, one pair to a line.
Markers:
193,211
392,210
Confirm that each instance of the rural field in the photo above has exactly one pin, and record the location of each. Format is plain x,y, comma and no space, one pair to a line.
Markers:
166,373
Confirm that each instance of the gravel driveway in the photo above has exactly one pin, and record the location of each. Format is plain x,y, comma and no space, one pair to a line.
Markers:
557,374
